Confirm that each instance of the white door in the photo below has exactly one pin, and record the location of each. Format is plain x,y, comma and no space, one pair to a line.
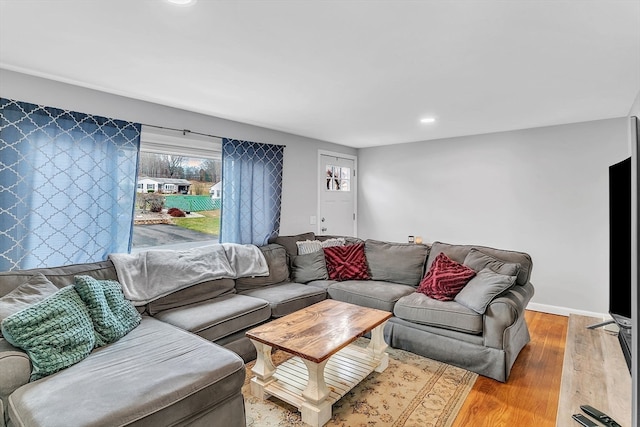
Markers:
337,213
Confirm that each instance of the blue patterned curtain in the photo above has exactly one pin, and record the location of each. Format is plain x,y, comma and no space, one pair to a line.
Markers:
67,186
251,191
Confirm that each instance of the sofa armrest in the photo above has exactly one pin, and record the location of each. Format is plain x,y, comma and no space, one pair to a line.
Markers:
15,368
503,312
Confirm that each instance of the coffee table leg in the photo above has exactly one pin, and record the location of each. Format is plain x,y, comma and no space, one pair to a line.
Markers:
316,410
377,346
263,370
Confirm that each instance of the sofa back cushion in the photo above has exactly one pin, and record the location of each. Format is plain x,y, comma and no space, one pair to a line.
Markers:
401,263
458,253
193,294
33,290
289,242
59,276
276,257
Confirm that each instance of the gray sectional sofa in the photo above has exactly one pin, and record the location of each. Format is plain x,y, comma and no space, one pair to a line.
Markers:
485,339
183,365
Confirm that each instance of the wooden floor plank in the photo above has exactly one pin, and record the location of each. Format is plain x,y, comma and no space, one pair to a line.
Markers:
530,397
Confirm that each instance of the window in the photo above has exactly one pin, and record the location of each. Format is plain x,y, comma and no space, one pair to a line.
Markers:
185,168
338,178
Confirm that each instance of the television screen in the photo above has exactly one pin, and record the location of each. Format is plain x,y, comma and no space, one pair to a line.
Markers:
620,242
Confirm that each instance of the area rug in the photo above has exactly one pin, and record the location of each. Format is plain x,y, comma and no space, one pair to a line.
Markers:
412,391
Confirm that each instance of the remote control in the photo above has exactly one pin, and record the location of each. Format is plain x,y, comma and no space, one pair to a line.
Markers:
600,416
586,422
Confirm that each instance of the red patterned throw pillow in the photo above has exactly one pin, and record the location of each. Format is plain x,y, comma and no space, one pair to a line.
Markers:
346,262
445,278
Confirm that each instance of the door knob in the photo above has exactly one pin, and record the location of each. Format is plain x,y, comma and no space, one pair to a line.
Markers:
324,228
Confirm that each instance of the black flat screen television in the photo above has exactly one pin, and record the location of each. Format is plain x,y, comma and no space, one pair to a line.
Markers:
620,242
620,252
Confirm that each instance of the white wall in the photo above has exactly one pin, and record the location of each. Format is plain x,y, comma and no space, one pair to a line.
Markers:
543,191
299,199
635,108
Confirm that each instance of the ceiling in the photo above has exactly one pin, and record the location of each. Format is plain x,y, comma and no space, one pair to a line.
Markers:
357,73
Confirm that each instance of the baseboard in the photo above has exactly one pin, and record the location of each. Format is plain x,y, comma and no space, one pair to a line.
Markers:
565,311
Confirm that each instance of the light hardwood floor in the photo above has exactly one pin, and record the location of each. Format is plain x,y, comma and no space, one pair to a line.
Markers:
530,397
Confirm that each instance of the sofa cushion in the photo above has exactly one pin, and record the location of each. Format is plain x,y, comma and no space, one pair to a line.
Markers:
346,262
201,292
478,260
309,267
276,257
56,332
396,262
156,375
323,284
15,369
289,242
59,276
369,293
483,288
285,298
445,278
419,308
111,314
459,252
218,317
33,290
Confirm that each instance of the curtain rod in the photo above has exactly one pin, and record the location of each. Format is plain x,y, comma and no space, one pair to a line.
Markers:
186,131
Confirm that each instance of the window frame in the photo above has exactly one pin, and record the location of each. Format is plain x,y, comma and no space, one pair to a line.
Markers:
178,143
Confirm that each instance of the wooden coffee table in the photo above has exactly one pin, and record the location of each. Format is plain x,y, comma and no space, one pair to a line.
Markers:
326,367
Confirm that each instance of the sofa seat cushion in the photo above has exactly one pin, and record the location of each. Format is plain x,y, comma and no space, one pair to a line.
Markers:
218,317
285,298
424,310
324,284
369,293
155,375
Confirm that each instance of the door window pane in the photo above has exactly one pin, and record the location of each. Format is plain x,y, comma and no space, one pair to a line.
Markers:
338,178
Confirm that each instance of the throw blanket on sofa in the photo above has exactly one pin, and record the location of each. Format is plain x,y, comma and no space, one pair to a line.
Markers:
147,276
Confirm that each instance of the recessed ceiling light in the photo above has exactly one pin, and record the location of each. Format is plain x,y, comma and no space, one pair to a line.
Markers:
183,2
428,120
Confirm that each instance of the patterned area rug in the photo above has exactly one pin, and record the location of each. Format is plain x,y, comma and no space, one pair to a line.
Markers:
412,391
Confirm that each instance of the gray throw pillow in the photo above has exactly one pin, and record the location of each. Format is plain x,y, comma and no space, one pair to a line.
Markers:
483,288
309,267
34,290
479,260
